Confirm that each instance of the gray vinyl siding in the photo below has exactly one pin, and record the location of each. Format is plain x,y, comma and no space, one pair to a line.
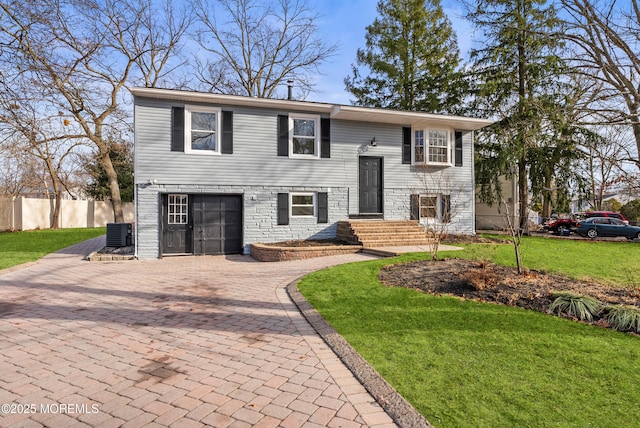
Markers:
254,161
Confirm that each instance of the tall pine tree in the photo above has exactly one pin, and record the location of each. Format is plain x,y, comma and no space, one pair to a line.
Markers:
518,73
411,60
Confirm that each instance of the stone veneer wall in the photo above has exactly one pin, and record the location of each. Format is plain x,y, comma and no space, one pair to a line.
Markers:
260,214
397,207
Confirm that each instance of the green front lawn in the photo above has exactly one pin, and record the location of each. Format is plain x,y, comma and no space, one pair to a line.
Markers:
469,364
616,263
21,247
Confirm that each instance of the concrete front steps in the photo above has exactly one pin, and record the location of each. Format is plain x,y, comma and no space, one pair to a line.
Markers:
382,233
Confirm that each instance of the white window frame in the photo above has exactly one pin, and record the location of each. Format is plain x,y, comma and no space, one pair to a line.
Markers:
440,198
180,205
188,110
422,145
427,146
291,204
316,134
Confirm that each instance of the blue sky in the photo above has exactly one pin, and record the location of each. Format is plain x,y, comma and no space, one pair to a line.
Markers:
343,22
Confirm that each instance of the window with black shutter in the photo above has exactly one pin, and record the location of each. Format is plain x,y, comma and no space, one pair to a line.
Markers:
325,138
323,207
458,148
283,135
177,129
283,208
406,145
415,207
226,145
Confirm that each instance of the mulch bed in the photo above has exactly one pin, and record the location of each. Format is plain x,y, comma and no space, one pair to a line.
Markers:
497,284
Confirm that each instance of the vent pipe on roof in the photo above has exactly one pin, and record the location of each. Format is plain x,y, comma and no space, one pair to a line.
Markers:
290,89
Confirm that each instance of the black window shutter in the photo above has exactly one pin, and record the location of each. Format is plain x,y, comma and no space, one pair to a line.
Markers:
406,145
226,146
323,208
445,208
458,151
283,135
325,138
283,208
177,129
415,207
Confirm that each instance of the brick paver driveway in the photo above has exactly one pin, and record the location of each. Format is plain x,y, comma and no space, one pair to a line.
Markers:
183,341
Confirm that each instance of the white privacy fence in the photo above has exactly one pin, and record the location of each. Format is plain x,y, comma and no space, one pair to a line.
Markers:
22,213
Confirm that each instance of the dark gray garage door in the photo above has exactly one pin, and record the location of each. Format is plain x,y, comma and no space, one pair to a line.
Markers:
217,224
205,224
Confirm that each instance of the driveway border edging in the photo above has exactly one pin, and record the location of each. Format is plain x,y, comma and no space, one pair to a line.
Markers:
394,404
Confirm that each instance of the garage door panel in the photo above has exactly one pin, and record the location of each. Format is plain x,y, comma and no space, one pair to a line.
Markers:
217,224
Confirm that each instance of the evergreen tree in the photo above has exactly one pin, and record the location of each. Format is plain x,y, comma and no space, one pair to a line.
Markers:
518,73
122,159
412,59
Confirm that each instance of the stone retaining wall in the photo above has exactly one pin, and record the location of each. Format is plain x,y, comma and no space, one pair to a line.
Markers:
267,253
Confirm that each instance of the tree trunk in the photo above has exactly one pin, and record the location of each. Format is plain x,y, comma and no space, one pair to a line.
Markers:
55,219
114,188
547,196
635,120
523,195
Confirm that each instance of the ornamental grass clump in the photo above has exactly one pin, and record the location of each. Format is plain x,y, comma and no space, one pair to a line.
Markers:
623,317
584,308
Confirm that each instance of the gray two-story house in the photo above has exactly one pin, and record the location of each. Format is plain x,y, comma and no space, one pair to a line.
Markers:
215,173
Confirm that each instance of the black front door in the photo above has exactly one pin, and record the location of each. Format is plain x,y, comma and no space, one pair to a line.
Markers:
217,224
370,179
176,224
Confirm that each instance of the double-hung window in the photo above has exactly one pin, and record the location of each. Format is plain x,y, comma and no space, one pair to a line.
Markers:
432,147
303,204
439,147
304,136
202,130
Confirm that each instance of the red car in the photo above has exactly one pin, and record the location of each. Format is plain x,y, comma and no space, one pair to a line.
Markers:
566,225
562,226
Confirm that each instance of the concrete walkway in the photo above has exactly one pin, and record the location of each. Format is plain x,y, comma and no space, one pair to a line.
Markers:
182,341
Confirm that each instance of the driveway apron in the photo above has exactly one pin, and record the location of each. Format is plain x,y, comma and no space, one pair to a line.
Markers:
182,341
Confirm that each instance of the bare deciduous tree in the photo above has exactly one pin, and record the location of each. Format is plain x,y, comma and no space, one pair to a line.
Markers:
516,233
256,45
606,38
37,130
79,56
605,151
436,204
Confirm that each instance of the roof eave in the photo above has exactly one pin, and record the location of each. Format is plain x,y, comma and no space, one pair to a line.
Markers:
407,118
335,111
235,100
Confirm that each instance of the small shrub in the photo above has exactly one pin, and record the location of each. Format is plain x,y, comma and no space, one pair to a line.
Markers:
482,264
584,308
481,278
623,317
